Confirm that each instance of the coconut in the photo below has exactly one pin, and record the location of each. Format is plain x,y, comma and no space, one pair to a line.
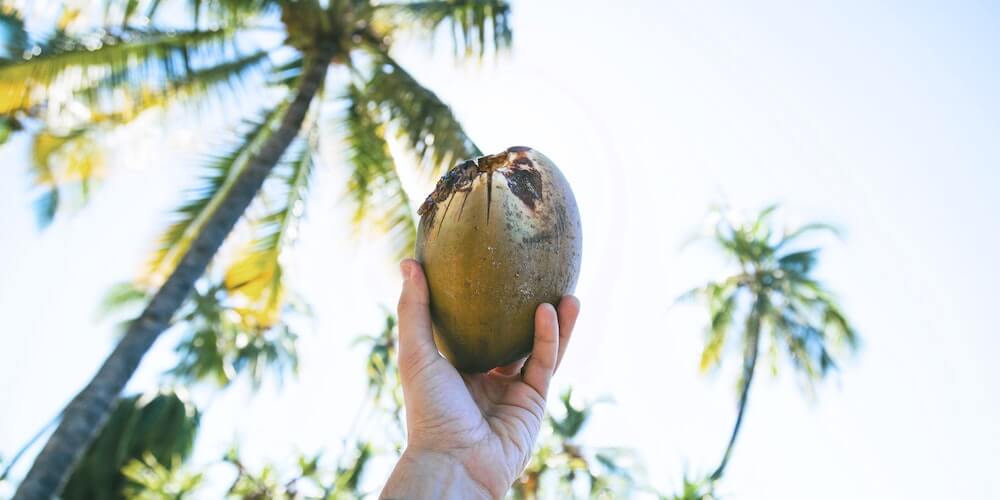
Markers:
498,236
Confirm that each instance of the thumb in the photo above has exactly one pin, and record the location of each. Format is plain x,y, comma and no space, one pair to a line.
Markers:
416,343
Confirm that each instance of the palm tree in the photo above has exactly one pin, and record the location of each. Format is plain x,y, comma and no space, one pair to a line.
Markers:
136,61
781,304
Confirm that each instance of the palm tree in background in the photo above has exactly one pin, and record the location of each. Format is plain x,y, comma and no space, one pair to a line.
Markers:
72,86
782,307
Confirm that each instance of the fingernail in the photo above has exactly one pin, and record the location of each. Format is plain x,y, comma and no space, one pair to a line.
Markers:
404,268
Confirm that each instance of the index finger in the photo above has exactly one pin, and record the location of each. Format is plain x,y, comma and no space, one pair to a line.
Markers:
416,342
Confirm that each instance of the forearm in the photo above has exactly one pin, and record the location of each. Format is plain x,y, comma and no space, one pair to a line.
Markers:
431,475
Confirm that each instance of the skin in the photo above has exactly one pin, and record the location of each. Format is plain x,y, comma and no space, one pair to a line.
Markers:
469,435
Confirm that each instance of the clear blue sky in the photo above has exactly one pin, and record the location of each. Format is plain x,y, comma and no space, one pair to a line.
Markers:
883,119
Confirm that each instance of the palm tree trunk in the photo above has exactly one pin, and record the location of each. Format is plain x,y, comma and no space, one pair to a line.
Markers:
88,411
749,363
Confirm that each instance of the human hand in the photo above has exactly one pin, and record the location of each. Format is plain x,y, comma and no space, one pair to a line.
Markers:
469,435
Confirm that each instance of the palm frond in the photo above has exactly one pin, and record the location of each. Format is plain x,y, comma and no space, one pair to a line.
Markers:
101,61
747,244
227,12
806,349
125,9
225,74
219,345
162,425
839,329
231,12
154,7
691,294
288,73
722,303
821,307
348,477
64,167
475,25
191,89
257,275
121,296
760,224
151,480
792,235
735,240
13,35
575,417
131,7
8,125
799,263
381,358
202,202
428,126
374,184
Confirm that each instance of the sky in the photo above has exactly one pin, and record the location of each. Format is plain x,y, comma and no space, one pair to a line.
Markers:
880,118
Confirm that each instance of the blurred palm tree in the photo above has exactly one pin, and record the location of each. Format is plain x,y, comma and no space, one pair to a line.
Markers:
72,86
780,302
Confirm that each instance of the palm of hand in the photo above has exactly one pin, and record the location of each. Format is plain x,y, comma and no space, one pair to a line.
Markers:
487,421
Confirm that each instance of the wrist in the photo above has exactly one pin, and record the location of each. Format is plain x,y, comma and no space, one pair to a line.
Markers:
428,474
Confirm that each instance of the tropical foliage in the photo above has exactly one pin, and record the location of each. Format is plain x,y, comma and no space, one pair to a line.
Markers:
305,71
563,468
157,427
67,88
771,302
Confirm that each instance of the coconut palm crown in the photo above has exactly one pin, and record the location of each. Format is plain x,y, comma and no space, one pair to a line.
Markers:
68,87
771,302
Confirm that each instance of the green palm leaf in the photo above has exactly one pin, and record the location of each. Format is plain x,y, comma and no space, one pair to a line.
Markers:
8,126
215,78
374,184
793,235
64,166
806,344
257,274
13,36
105,62
202,202
799,263
428,126
222,342
475,25
722,308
